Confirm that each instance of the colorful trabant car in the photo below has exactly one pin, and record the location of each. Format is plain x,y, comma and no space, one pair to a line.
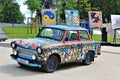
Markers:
54,45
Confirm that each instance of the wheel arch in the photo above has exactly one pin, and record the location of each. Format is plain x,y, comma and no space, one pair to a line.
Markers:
92,51
93,54
57,55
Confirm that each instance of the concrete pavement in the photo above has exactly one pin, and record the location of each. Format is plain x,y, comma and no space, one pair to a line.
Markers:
2,34
105,67
6,43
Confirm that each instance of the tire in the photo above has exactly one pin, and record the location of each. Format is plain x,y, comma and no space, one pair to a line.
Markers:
51,65
89,58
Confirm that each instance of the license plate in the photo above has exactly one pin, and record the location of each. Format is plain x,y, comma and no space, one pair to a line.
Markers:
22,61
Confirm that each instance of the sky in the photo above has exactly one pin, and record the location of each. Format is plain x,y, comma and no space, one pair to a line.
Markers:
24,10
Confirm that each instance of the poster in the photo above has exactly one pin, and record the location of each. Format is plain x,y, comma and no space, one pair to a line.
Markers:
95,18
48,17
115,19
72,17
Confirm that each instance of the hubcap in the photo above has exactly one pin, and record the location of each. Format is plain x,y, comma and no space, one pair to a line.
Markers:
52,64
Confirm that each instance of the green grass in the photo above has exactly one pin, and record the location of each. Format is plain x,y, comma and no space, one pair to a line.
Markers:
98,38
21,32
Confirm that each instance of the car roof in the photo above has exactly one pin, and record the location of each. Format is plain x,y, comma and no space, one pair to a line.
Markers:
66,27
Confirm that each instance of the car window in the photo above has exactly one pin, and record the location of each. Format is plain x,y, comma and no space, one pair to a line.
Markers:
46,32
84,35
51,33
71,35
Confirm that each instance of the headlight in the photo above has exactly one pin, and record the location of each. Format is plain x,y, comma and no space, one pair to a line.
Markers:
13,45
39,50
15,52
33,57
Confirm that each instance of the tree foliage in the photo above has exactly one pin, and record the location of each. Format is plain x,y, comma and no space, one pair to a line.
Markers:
62,5
107,7
33,5
83,6
10,12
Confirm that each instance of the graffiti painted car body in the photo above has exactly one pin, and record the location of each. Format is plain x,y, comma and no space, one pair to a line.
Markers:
56,45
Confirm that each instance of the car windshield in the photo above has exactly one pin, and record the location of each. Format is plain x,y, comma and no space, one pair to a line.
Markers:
51,33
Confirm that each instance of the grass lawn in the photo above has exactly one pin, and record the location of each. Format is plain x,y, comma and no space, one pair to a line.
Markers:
21,32
98,38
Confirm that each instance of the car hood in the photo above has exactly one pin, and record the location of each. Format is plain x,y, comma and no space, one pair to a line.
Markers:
36,42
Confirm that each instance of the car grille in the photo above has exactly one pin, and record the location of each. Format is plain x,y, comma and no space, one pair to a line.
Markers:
26,51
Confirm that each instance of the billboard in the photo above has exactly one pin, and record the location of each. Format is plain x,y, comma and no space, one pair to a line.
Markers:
95,18
48,17
72,17
115,19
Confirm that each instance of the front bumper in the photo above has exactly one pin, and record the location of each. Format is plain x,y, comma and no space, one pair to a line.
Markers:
31,63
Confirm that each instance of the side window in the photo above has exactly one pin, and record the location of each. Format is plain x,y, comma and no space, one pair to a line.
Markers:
47,32
55,34
84,35
71,35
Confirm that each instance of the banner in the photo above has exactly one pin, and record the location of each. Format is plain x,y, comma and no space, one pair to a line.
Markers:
95,18
48,17
72,17
115,19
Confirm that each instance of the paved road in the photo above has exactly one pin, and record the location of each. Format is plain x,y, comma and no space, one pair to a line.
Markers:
10,25
105,67
2,34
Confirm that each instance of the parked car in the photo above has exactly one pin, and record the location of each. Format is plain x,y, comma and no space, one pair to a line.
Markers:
54,45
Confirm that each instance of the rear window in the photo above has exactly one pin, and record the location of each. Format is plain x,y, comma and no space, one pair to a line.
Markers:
84,35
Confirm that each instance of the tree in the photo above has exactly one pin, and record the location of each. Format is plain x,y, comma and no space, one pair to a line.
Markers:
4,8
16,14
62,5
33,5
10,12
107,7
83,6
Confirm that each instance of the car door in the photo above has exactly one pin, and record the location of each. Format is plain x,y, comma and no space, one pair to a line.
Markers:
73,50
85,41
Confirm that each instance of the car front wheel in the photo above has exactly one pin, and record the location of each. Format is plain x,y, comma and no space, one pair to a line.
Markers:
51,65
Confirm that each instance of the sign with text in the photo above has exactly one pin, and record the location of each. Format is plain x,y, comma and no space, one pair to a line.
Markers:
115,19
95,18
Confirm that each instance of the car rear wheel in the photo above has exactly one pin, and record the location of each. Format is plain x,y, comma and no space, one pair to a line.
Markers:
51,65
89,58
